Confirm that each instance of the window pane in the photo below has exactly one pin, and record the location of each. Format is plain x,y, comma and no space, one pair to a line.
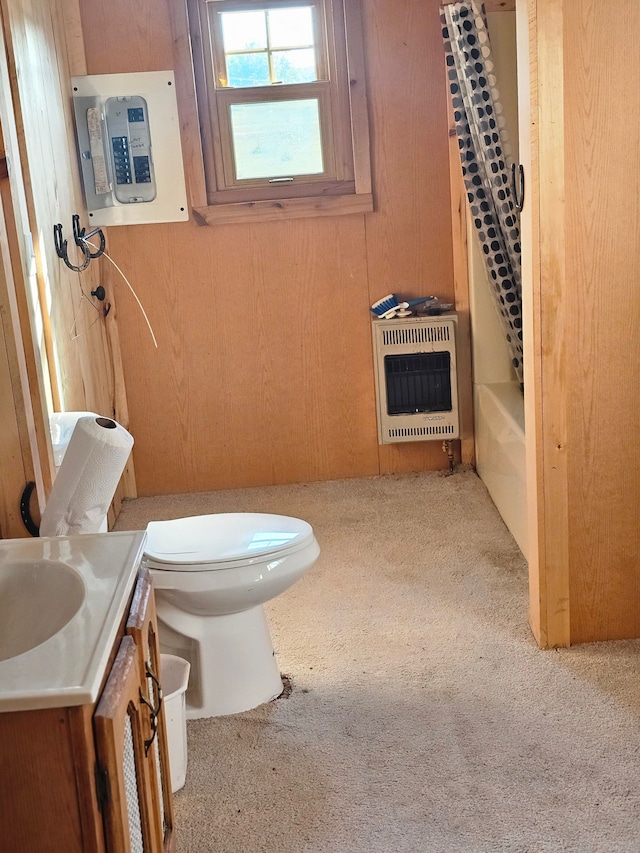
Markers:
276,139
248,69
243,30
294,66
291,27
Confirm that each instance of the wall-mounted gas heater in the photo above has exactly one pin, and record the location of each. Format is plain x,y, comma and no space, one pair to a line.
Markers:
416,383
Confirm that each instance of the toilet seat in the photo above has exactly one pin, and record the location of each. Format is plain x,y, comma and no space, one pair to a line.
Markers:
222,541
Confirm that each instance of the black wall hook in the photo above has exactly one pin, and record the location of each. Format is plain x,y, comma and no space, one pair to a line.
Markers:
81,239
62,252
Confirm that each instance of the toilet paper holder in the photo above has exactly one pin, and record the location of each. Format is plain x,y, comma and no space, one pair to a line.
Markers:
25,509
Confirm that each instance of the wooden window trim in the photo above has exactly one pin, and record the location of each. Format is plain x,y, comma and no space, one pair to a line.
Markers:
351,195
224,99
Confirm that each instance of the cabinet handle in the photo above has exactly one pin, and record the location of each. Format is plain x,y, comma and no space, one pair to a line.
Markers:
158,686
153,718
154,710
517,188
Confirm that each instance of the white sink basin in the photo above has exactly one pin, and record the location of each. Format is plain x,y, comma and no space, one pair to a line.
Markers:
62,600
37,599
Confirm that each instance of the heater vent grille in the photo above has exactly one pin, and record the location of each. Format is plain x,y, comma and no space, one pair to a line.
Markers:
420,432
416,382
415,335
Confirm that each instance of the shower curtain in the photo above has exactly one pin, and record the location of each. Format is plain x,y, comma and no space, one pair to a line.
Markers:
485,159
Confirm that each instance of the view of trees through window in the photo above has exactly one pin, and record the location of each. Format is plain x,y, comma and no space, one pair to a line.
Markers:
276,138
272,138
272,45
252,69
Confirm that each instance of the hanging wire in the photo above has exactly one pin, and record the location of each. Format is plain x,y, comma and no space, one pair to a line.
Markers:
83,242
127,282
73,331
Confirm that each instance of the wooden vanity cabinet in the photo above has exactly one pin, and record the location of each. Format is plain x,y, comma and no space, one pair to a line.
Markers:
94,778
142,627
122,753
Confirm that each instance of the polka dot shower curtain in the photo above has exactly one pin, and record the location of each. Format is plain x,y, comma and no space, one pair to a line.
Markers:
484,154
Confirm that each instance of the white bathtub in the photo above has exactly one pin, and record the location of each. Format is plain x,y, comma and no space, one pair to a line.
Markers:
500,452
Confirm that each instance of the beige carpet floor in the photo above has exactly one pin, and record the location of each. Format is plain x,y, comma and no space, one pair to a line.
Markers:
423,717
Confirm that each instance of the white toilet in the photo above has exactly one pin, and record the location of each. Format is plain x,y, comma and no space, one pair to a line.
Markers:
212,574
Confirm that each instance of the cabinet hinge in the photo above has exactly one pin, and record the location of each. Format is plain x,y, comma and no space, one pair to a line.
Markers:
103,790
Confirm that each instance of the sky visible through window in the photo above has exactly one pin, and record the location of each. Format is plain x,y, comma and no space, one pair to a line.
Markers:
276,139
266,47
269,46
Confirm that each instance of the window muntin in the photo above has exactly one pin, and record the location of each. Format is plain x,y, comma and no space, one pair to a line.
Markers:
266,46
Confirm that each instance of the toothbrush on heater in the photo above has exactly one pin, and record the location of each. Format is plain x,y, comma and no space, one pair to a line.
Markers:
388,306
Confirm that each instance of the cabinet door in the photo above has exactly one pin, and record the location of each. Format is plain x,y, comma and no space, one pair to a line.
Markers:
123,746
142,626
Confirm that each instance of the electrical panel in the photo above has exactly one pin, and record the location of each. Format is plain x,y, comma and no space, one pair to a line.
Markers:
128,136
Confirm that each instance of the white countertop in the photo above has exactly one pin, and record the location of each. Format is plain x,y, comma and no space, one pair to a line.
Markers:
67,669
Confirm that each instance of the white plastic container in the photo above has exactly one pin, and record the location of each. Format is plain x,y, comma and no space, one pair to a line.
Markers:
175,677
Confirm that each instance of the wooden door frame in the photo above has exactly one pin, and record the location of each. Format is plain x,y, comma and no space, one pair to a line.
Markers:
541,98
20,460
35,391
26,420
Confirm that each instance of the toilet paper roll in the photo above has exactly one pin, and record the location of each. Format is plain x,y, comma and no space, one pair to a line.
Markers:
88,477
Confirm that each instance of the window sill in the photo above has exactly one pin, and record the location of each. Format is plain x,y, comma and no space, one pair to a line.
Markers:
285,208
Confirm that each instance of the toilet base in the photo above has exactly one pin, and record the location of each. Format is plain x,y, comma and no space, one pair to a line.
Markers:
233,664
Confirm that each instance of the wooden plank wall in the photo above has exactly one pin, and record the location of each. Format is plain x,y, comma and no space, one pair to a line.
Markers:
602,191
16,458
583,222
80,347
23,412
264,370
38,52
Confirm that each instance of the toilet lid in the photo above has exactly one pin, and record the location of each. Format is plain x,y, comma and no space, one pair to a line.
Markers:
223,538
